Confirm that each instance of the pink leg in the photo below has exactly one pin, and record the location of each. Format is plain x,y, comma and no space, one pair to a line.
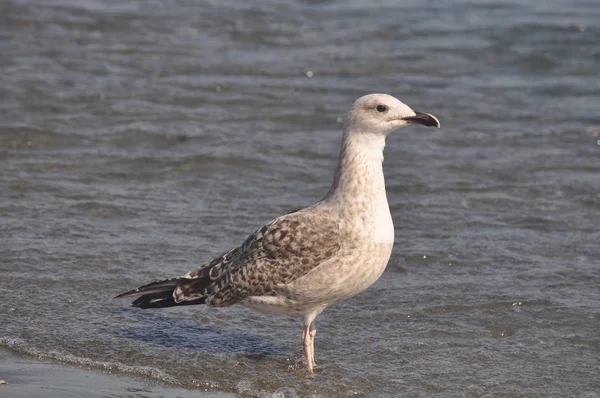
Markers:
308,337
312,332
308,349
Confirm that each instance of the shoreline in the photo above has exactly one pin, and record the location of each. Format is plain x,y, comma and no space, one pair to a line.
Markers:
27,377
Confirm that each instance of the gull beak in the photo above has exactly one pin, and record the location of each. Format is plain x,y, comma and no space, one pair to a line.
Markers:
426,119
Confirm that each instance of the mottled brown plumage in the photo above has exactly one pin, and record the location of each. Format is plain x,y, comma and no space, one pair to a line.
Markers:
276,254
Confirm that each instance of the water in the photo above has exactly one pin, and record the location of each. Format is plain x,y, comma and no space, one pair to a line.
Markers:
139,139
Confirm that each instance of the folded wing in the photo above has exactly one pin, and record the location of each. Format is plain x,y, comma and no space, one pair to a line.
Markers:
274,255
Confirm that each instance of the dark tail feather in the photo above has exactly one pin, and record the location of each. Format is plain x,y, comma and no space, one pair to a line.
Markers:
159,294
161,300
153,287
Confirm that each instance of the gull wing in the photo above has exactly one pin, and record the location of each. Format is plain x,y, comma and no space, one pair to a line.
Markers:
278,253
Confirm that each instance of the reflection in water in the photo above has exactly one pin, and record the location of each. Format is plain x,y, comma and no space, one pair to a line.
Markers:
164,331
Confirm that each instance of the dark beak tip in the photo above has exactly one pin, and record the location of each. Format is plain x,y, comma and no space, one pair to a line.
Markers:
425,119
436,120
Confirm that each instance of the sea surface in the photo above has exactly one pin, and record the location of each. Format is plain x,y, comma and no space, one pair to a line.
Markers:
139,139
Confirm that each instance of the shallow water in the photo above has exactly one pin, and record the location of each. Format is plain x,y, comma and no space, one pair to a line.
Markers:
139,139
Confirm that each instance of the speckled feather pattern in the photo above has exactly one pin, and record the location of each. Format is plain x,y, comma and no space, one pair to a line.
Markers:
276,254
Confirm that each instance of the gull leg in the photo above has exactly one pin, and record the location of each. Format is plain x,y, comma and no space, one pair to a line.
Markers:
312,331
308,349
308,337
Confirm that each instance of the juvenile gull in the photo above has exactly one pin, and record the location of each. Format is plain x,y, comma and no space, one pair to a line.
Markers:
304,261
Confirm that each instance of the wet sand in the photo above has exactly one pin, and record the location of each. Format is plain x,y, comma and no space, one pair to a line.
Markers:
30,378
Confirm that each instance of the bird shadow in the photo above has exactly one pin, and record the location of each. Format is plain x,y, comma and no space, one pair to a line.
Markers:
164,331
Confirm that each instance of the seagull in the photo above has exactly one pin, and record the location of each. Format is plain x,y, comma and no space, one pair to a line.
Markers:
303,261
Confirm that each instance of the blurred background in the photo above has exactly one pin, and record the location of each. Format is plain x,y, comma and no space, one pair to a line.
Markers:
138,139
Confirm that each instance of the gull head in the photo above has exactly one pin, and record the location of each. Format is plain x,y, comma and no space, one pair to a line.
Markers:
380,114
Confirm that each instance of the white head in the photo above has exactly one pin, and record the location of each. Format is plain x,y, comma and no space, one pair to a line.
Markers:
380,114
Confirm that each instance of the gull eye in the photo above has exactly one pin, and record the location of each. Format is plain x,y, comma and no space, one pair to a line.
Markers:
381,108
